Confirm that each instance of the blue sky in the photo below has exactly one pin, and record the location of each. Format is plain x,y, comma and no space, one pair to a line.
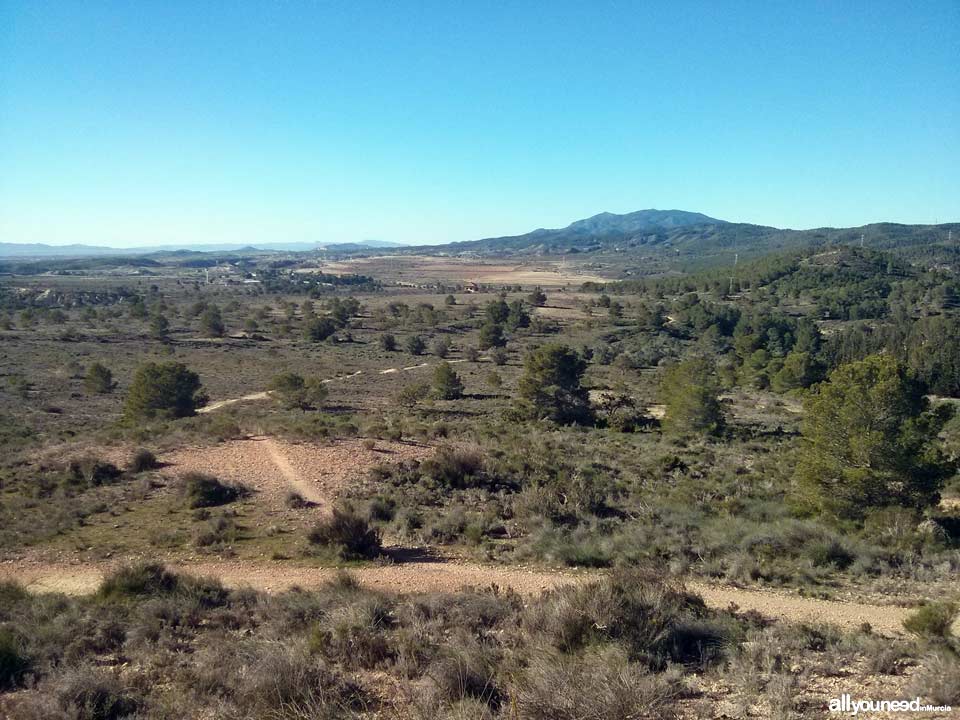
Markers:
177,122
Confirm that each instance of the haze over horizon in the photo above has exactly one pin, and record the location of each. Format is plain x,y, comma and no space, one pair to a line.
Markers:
159,124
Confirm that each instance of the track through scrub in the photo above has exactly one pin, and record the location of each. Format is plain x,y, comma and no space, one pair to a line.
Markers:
450,576
264,395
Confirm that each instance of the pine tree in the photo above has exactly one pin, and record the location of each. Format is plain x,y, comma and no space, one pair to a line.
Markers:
447,385
166,390
869,440
690,391
550,386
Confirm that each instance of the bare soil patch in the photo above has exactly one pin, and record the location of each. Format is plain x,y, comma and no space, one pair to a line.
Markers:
273,467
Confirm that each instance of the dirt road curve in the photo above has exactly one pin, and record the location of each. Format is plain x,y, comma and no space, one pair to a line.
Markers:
445,576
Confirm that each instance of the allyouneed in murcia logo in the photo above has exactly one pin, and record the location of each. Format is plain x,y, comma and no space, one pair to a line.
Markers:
846,704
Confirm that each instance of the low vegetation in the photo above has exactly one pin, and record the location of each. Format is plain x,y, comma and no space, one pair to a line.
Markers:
784,424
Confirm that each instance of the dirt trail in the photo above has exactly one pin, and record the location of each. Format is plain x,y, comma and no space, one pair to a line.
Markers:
223,403
450,576
273,467
306,489
266,395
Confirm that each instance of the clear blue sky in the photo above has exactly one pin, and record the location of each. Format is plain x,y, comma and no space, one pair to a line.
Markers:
135,123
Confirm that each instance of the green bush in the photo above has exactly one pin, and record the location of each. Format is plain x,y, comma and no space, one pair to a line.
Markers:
388,342
319,329
143,580
295,392
152,580
143,460
414,345
92,472
656,622
456,467
601,683
211,322
832,552
933,620
98,379
347,532
207,491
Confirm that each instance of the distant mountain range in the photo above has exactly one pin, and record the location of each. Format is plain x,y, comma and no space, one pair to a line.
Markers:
690,234
644,233
603,229
40,250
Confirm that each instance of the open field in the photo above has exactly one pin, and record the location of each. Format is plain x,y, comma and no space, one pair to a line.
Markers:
423,269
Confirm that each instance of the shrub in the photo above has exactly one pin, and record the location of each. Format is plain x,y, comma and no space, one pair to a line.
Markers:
468,670
388,342
294,392
211,322
98,379
414,345
143,460
831,552
207,491
279,681
221,530
600,684
491,335
355,633
382,509
153,580
91,693
167,390
933,620
92,472
455,467
144,580
938,680
13,663
441,347
296,501
657,623
347,532
411,394
319,329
